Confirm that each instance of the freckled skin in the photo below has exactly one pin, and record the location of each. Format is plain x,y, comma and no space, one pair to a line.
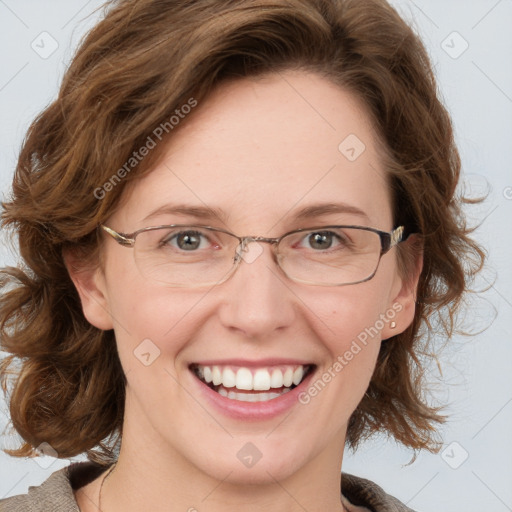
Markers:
257,150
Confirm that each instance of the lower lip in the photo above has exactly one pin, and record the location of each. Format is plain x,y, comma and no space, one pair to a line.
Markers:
253,410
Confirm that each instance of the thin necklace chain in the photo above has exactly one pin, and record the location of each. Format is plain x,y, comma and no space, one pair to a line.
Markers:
101,486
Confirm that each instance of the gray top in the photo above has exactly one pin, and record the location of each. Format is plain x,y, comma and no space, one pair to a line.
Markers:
55,494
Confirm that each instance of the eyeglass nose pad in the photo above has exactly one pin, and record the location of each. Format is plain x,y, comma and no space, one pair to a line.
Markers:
247,252
242,247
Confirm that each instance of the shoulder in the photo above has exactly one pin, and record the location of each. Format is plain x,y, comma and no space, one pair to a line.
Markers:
367,494
56,492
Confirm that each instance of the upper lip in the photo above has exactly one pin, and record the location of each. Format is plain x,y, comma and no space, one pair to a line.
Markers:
252,363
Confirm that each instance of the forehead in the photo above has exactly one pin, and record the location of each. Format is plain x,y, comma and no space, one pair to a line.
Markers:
257,151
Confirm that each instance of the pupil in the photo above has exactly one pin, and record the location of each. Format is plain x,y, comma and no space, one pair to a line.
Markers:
188,242
320,240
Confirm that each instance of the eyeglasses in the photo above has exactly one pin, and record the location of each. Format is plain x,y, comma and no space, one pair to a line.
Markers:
182,255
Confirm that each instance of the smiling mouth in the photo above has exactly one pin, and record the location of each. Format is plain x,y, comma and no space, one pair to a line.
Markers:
252,384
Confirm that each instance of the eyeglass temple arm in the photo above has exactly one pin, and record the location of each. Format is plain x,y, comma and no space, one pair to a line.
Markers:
389,240
118,237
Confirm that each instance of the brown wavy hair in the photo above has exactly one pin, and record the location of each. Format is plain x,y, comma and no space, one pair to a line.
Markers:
141,62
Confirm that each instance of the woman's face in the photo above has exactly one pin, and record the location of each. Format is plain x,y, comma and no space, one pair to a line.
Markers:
259,151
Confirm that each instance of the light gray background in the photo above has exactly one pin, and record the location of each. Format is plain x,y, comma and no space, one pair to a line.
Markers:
476,379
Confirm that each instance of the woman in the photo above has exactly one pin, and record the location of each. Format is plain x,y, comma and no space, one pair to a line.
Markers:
237,220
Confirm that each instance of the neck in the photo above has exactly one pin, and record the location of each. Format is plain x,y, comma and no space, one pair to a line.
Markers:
142,481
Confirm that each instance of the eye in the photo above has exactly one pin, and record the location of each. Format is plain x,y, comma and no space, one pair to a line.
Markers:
322,240
188,240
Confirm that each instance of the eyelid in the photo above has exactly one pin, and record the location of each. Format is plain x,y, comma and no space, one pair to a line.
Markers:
214,235
328,228
210,228
306,233
171,237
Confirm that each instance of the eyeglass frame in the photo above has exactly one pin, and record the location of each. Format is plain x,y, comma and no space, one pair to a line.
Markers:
388,240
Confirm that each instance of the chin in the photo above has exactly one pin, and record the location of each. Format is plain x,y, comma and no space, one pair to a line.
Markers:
257,462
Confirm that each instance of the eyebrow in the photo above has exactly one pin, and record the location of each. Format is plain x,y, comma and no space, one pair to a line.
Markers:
305,213
316,210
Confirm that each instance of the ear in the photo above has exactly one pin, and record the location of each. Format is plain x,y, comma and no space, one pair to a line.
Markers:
402,304
90,284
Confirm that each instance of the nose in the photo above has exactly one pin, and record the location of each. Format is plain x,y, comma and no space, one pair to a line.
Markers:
257,299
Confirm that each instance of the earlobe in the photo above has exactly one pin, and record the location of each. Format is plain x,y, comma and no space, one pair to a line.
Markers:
90,284
403,304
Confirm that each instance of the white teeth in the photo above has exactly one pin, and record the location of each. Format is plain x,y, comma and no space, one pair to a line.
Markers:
277,379
297,375
288,377
207,374
228,378
261,379
243,379
251,397
216,376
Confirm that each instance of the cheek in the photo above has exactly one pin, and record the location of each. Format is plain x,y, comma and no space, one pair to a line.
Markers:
355,347
357,312
349,325
349,344
146,317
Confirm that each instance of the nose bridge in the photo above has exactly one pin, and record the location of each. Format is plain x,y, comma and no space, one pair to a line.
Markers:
256,302
243,247
244,240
